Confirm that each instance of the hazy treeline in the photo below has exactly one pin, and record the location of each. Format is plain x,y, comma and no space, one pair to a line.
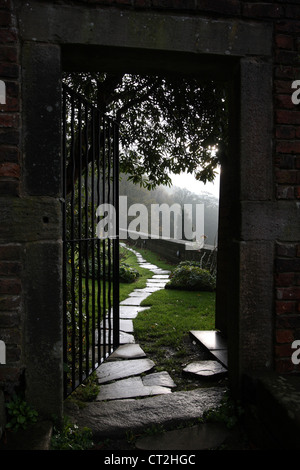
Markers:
170,195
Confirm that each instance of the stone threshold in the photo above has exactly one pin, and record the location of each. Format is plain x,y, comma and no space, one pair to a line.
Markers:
213,342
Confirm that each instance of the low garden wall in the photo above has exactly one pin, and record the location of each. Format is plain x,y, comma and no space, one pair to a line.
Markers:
172,250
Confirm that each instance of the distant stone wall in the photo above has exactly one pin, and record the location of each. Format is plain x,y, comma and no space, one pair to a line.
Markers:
173,251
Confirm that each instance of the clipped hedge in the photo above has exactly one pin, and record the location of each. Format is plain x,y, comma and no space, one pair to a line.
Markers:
190,276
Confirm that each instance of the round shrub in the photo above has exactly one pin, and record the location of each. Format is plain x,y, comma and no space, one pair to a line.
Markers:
127,273
191,277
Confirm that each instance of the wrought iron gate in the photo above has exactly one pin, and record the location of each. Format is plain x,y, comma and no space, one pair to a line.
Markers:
91,262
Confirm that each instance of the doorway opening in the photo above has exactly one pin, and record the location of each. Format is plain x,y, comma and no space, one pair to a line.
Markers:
168,124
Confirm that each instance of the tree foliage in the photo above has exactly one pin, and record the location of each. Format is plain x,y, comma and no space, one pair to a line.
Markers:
167,123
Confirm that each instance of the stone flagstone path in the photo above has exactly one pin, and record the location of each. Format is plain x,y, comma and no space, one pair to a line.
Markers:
118,375
128,374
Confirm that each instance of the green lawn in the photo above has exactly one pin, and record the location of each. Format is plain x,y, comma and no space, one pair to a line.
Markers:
163,329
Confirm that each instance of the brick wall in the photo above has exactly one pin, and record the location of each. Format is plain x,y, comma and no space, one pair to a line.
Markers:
10,252
283,14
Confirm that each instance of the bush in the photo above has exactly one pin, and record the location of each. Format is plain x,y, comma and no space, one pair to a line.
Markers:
189,276
127,273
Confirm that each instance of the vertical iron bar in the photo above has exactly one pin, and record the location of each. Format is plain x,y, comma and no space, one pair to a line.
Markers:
79,239
64,236
103,242
93,234
87,319
116,255
108,239
98,241
73,320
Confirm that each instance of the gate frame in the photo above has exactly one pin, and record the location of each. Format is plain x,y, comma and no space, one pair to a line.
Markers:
238,52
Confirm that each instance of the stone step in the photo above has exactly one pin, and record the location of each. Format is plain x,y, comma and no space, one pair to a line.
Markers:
115,418
205,436
133,387
204,369
109,371
213,342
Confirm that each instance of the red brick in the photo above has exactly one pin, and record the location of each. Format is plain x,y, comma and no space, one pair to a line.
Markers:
9,120
286,176
285,192
227,7
297,163
286,162
258,10
288,26
286,249
286,57
287,72
288,117
288,293
285,307
7,36
9,70
285,279
10,252
284,366
9,136
9,319
8,54
10,286
142,3
283,350
9,302
287,265
284,102
297,192
5,18
10,374
9,154
292,11
283,87
9,170
9,188
9,268
288,146
284,336
284,42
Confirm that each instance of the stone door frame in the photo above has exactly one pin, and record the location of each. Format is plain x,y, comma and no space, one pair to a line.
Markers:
61,37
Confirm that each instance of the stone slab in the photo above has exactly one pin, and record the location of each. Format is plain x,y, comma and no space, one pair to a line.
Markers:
221,355
129,388
110,371
159,378
210,339
205,368
124,338
127,311
160,276
128,351
205,436
115,418
135,301
126,326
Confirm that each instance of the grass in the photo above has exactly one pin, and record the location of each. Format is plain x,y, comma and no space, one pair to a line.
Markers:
163,329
